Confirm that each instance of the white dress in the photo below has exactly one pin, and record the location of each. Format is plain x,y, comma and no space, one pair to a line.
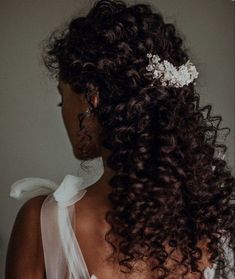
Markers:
62,254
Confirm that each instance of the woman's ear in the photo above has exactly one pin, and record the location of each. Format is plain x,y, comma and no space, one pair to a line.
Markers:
95,98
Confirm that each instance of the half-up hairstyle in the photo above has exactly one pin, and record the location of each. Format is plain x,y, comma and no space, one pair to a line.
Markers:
170,189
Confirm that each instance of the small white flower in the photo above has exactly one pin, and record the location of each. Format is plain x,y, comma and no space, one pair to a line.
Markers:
150,67
155,58
156,74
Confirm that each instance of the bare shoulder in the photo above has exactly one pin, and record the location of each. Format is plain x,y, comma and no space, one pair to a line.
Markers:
25,252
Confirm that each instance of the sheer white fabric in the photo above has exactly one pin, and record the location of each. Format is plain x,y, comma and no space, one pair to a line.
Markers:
62,254
57,228
29,187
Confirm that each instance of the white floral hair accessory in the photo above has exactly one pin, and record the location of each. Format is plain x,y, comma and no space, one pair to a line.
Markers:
168,74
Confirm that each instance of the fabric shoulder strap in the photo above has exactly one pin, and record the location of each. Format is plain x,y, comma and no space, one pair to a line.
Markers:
55,262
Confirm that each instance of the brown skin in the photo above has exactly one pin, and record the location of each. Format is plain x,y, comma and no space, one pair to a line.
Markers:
72,105
25,253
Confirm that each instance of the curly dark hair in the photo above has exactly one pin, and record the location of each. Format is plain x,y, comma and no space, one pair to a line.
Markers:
169,185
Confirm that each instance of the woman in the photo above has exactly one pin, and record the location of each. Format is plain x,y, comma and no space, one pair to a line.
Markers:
161,207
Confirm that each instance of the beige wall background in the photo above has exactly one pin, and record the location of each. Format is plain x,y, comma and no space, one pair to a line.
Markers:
33,139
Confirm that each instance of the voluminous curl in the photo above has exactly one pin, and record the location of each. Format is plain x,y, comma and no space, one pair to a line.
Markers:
170,189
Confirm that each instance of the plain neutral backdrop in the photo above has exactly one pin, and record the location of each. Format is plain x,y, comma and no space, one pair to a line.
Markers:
34,142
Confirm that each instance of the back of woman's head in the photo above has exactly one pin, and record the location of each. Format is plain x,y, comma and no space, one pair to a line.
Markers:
169,186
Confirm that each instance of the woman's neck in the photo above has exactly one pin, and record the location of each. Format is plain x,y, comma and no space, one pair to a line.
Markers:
101,188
